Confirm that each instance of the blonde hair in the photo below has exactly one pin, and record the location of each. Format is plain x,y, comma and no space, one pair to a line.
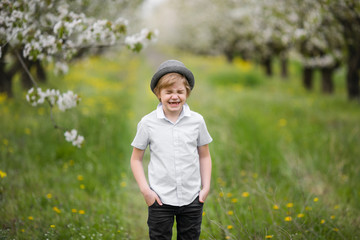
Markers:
168,80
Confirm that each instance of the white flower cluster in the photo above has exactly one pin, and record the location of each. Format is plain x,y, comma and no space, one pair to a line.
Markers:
319,61
138,40
73,137
20,24
64,101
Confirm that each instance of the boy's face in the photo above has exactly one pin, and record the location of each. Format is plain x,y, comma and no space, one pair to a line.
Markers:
173,98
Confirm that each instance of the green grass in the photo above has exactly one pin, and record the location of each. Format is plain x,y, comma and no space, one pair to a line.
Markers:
285,161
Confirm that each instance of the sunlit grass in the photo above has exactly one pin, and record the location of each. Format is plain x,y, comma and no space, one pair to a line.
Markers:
285,160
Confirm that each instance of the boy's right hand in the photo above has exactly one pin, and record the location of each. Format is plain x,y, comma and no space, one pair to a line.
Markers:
150,198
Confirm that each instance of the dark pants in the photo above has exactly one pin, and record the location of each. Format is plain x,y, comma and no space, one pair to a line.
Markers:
188,221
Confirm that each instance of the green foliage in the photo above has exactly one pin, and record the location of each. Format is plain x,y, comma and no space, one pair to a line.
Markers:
233,77
284,160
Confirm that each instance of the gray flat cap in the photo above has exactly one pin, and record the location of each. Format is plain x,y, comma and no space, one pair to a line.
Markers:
172,66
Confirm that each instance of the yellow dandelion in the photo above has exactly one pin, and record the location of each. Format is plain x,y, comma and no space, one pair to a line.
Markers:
56,209
74,210
308,208
336,207
2,174
227,237
3,97
234,200
123,184
49,195
22,230
288,219
230,227
81,212
322,221
27,131
41,111
289,205
276,207
255,175
221,182
31,218
221,194
335,229
301,215
52,226
245,194
65,166
82,186
282,122
229,195
332,217
203,213
316,199
269,236
80,177
230,213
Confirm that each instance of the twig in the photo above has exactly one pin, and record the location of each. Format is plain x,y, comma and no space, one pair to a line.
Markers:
26,69
36,85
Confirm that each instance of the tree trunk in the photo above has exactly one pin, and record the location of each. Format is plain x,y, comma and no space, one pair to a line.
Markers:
5,77
308,77
284,67
352,76
5,81
40,71
229,56
327,81
267,63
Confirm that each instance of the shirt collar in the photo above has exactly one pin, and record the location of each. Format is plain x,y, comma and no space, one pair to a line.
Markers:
184,113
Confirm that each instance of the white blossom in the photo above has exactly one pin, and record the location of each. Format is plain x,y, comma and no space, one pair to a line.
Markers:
64,101
141,38
67,100
73,137
70,136
61,68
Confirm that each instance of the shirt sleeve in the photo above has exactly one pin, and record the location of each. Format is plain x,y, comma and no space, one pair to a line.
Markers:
141,139
204,136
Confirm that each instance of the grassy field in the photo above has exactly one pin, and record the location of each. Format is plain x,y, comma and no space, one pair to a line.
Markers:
285,161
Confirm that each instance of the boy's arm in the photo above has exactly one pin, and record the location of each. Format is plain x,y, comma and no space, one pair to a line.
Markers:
205,171
138,171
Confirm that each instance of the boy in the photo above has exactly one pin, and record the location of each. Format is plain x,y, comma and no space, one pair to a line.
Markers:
180,164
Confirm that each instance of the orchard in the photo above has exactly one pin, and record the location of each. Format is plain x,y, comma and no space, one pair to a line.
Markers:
277,83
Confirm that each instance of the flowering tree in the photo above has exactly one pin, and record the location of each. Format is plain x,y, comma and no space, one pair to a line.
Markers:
318,42
257,30
323,34
347,15
34,32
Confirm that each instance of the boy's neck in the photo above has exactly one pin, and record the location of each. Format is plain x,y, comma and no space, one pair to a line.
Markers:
172,116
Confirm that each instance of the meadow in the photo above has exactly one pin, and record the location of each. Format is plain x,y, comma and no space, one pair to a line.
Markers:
285,161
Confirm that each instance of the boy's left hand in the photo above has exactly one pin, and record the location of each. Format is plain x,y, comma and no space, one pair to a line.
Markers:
203,195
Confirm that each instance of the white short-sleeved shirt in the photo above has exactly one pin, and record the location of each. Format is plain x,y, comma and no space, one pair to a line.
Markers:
174,169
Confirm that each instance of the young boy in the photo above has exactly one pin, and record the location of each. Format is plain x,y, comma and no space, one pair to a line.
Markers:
179,171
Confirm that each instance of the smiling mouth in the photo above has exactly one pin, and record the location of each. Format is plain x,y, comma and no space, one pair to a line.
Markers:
174,103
